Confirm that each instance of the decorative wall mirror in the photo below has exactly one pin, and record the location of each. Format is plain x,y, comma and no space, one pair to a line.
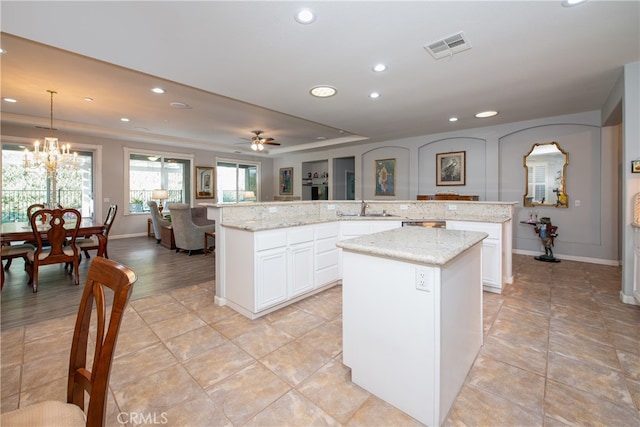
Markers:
545,168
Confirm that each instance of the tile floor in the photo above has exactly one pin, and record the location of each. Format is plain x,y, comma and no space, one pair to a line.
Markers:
560,349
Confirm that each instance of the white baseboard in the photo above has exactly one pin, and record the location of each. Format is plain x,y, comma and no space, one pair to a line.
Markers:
571,258
628,299
124,236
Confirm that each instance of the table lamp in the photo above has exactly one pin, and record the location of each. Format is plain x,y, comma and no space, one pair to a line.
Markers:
160,195
249,195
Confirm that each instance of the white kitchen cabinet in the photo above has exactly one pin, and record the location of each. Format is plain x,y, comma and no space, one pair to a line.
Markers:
266,270
327,255
271,273
495,273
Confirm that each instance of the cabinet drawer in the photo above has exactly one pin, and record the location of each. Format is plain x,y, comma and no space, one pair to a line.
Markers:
327,230
327,259
270,240
325,245
300,235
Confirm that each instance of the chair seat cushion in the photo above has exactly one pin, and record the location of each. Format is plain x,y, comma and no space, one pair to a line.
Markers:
48,413
86,242
17,249
45,253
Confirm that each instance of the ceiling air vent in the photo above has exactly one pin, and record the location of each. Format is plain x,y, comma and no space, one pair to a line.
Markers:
447,47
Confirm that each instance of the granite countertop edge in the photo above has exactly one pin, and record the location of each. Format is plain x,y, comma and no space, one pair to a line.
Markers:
430,246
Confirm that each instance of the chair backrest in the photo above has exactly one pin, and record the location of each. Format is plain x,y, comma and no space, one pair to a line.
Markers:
103,274
182,224
156,219
31,209
111,216
56,223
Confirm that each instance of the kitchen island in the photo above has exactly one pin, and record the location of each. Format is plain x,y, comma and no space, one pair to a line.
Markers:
412,315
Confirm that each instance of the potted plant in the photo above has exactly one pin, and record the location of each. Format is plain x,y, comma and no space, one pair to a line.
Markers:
135,205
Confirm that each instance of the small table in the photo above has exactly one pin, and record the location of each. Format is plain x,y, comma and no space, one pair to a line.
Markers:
167,240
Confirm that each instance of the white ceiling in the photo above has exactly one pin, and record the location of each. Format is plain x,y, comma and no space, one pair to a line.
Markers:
243,65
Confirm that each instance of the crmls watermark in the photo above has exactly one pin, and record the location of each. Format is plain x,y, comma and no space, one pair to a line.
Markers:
148,418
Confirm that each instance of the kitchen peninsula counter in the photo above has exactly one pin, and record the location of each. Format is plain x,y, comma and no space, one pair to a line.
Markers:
412,315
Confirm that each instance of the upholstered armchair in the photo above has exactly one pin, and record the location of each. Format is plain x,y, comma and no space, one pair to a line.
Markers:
188,236
156,220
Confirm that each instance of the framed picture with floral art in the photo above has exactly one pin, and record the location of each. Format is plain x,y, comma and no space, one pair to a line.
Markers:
385,177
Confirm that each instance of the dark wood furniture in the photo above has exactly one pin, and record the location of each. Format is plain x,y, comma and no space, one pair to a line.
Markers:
446,197
21,231
90,243
149,227
104,277
207,235
61,241
167,240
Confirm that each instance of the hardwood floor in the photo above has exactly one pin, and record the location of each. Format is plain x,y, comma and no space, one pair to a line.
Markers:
158,269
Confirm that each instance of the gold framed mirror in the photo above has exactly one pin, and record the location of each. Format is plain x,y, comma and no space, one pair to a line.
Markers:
545,174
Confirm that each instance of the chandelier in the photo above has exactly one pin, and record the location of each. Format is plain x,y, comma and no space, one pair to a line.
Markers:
51,156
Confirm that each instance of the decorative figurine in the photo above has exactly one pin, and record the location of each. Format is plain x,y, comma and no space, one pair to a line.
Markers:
547,232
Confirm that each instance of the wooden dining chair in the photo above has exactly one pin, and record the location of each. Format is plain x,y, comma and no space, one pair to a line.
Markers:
105,277
60,227
90,243
9,252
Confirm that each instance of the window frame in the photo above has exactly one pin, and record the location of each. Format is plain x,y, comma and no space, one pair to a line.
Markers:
238,162
127,157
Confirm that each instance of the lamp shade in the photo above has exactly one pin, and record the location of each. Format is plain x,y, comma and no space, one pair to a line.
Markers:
160,194
249,195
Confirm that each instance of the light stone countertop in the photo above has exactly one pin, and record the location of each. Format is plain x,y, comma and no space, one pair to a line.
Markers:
431,246
284,222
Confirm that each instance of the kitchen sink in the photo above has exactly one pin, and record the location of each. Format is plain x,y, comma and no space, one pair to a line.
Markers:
379,214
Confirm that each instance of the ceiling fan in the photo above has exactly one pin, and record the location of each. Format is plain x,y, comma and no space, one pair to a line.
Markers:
258,142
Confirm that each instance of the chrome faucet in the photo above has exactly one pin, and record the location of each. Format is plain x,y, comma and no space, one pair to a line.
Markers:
363,208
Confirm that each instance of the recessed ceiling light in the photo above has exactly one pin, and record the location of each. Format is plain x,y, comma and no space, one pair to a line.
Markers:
374,95
11,100
88,99
379,68
453,119
2,51
305,16
485,114
323,91
157,90
571,3
124,119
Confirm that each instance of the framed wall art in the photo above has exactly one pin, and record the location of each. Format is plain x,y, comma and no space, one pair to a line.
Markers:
286,181
451,168
205,185
635,166
385,177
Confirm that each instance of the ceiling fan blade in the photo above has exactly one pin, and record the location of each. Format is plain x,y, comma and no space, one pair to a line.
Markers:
270,143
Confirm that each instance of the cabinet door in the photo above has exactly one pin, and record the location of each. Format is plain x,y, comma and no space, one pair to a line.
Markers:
490,262
271,277
301,268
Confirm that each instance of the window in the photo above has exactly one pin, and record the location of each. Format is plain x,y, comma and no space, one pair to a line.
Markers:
22,188
150,171
537,180
237,182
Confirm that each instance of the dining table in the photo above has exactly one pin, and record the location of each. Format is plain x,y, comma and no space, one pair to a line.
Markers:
22,231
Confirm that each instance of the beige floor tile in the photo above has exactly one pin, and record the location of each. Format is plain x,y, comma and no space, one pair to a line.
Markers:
295,361
197,412
292,406
476,407
575,407
137,339
522,356
195,342
178,325
576,315
260,341
235,325
584,333
133,367
212,314
331,389
45,346
634,389
577,348
158,313
157,392
159,300
326,338
377,412
589,377
10,376
297,322
53,390
245,393
516,385
218,363
630,364
49,328
44,370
